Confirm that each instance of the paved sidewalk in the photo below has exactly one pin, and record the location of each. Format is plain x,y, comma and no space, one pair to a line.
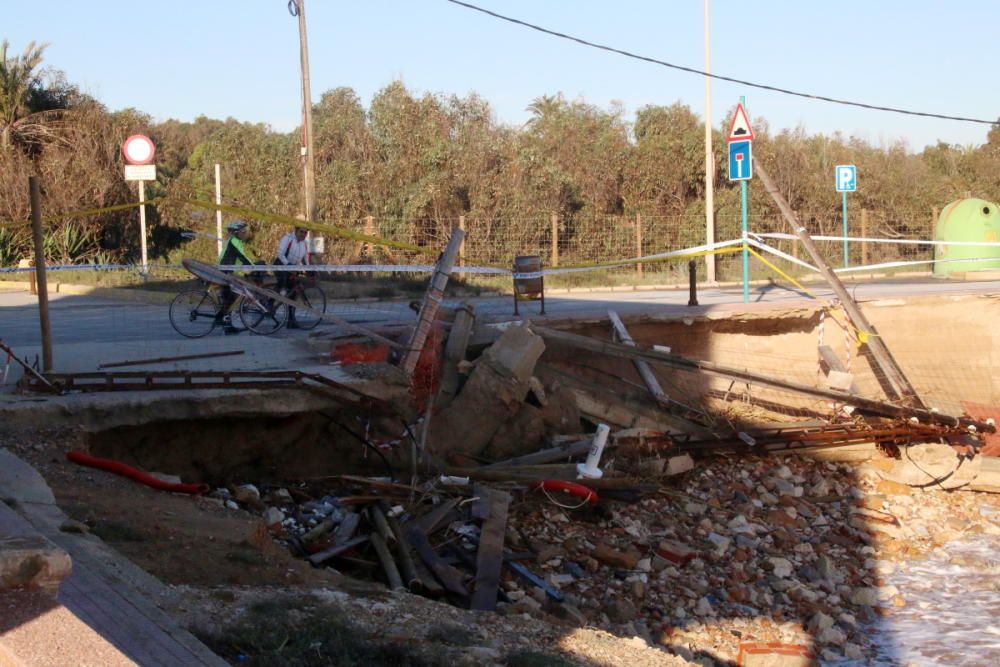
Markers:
103,614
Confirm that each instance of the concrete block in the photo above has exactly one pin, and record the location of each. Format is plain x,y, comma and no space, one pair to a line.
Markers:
27,558
677,465
515,353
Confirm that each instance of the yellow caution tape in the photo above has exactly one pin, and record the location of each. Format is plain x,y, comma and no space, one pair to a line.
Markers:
84,212
313,226
861,337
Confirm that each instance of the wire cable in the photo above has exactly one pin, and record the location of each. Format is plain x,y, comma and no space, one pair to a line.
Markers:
699,72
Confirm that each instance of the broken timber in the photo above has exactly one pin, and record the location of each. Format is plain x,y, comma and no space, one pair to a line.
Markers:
454,352
640,364
489,557
432,301
710,368
896,386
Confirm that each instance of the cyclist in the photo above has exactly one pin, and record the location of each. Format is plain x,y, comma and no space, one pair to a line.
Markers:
234,253
293,250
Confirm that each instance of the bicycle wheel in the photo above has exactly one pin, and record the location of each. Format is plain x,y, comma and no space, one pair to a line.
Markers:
262,315
314,298
192,313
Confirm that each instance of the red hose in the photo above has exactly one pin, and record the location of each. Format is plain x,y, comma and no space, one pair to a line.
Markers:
120,468
572,488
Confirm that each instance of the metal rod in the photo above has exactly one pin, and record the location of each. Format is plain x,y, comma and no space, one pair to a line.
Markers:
163,360
692,283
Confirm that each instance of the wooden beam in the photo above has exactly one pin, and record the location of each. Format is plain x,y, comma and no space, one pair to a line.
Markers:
432,301
645,372
489,557
327,554
550,455
454,352
446,574
900,389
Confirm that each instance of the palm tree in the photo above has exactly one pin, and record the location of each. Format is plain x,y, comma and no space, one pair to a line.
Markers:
18,75
545,107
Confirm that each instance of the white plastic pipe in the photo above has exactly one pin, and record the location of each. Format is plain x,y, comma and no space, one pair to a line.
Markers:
589,470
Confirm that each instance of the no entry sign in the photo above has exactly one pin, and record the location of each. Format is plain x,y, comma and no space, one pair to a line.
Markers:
138,149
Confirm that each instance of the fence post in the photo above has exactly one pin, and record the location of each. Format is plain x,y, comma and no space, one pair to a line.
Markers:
554,219
34,192
864,234
638,244
461,248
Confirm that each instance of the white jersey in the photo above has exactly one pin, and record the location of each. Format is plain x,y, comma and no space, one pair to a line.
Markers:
292,251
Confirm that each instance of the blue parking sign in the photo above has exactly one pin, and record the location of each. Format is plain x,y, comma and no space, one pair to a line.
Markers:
847,178
740,161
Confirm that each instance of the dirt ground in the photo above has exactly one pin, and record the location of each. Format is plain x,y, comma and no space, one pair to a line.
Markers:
221,564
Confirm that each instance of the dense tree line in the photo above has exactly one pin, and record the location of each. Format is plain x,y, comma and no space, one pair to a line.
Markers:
416,163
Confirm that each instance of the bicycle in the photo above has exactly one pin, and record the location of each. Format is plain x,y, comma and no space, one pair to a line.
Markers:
195,313
304,289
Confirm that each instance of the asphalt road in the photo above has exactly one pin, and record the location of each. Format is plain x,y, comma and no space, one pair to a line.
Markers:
86,319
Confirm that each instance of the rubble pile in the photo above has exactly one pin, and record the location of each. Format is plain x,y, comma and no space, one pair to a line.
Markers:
747,549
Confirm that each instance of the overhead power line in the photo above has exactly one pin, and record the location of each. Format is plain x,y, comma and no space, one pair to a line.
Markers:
719,77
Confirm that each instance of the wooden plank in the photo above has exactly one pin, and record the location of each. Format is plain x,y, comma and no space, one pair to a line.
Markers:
645,372
430,522
446,574
454,352
403,549
388,564
325,555
550,455
348,526
489,557
431,302
833,363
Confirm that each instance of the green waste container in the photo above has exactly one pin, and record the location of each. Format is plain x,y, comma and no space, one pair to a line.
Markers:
968,220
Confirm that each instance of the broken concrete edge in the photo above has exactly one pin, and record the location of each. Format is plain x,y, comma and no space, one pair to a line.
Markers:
98,411
156,297
27,558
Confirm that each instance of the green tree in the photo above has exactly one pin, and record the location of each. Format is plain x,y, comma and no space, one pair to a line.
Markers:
19,77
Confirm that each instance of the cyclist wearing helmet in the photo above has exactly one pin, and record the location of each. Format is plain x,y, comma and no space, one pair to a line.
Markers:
234,253
293,250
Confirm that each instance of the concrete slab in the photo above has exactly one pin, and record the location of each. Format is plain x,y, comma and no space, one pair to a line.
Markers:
27,559
104,613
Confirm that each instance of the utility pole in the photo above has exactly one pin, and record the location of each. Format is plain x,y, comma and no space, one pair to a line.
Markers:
709,158
297,8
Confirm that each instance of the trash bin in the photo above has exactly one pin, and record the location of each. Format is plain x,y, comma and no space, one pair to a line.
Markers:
968,220
528,289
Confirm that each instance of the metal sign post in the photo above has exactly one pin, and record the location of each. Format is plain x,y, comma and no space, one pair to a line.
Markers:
218,211
138,151
847,181
741,169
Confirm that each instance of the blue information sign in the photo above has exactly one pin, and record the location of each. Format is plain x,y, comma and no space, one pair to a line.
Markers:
847,178
740,161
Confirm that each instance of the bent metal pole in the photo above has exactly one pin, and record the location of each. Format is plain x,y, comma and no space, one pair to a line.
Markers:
896,385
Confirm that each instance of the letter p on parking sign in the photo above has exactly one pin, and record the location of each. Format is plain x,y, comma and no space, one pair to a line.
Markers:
847,178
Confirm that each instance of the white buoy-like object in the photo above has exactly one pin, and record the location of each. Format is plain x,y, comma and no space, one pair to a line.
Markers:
589,469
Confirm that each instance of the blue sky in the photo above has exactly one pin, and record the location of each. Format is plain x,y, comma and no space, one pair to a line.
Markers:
239,58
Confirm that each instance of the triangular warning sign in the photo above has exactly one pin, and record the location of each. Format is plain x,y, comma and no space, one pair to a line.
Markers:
740,129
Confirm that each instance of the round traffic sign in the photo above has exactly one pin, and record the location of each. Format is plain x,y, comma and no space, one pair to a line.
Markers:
138,149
